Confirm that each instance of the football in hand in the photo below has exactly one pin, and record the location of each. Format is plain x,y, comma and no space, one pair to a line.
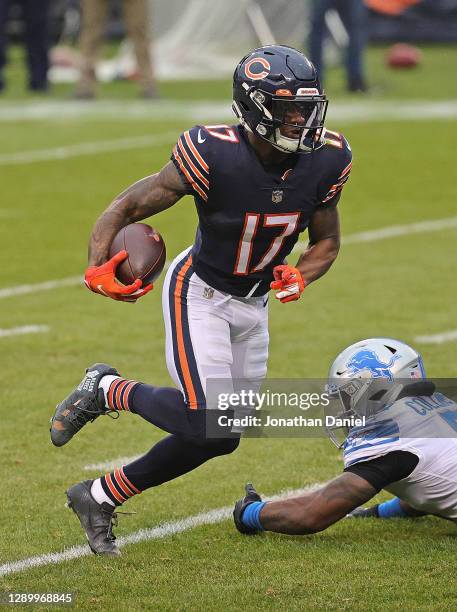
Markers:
146,253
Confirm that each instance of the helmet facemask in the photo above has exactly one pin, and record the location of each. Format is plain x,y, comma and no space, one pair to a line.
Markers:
292,124
358,398
298,123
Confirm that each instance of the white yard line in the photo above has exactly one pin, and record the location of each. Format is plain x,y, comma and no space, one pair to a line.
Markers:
210,110
213,110
449,336
392,231
109,464
70,281
401,230
105,110
143,535
85,148
25,329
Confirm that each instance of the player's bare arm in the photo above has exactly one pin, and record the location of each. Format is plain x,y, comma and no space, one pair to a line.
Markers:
143,199
317,510
306,514
324,244
323,247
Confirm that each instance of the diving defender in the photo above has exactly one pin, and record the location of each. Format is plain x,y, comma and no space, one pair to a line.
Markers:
407,446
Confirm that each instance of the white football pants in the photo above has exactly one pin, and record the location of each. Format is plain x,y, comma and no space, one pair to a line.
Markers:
211,335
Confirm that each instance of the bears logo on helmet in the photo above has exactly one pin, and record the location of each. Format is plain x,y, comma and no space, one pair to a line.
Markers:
257,76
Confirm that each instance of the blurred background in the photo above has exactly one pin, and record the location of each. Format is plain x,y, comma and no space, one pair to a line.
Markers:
203,39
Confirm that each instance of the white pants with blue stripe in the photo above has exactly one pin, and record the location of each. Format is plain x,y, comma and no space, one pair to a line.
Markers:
211,335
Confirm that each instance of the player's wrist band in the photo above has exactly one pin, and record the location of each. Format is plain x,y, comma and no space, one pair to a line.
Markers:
251,516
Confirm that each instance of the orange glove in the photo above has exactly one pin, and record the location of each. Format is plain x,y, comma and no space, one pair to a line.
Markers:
102,279
288,282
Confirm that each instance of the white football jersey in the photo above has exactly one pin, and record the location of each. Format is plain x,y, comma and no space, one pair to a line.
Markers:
427,427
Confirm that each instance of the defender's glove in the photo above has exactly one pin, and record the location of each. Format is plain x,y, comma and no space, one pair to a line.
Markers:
102,279
288,282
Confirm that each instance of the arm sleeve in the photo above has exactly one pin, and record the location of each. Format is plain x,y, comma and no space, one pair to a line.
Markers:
191,158
337,172
382,471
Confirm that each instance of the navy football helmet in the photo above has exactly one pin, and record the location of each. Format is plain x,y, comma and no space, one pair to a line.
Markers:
277,95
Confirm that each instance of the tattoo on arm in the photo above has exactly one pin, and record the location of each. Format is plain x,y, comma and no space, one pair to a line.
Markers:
144,198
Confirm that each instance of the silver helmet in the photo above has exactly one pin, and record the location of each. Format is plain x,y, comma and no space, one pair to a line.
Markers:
366,377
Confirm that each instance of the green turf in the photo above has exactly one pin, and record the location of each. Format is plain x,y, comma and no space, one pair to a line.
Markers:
400,287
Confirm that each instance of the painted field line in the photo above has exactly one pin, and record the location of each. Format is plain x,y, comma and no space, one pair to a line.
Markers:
214,111
401,230
143,535
24,329
109,110
357,238
85,148
37,287
393,231
109,464
70,281
449,336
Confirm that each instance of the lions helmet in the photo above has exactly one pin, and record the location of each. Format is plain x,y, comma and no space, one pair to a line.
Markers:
277,96
367,376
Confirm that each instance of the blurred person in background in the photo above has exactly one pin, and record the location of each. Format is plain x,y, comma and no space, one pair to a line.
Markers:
93,22
35,16
353,15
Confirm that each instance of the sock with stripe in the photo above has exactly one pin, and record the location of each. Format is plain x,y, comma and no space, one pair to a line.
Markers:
172,457
117,391
114,488
168,459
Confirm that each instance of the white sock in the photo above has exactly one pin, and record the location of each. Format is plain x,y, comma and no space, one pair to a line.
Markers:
97,491
105,384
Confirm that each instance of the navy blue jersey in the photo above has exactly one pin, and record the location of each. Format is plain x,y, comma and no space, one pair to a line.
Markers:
250,217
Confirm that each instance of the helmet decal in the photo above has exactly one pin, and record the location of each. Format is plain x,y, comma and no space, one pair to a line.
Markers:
368,360
257,76
307,91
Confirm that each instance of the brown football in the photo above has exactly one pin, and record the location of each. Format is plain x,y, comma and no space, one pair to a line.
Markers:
146,253
403,56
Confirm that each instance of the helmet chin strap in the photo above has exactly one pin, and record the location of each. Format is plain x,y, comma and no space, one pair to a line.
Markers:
291,145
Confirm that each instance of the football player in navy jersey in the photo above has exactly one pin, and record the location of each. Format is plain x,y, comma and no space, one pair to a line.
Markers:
256,186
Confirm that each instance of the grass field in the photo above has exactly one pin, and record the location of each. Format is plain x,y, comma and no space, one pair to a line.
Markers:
398,286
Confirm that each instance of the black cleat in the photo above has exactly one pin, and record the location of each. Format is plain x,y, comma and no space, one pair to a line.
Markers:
84,404
97,520
360,512
240,507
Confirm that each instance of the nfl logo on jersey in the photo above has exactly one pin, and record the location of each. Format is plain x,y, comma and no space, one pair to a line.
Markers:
276,196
